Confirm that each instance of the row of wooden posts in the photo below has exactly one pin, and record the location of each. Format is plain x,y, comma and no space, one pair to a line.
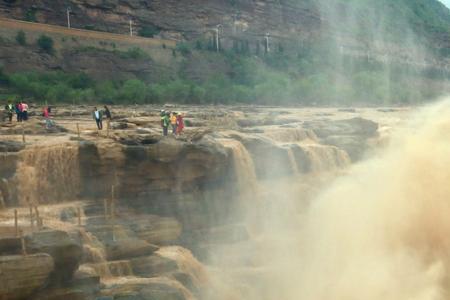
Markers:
109,214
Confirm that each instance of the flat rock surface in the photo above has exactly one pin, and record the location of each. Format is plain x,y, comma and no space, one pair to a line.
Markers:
20,276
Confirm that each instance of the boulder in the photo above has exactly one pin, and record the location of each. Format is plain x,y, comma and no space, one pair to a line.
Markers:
157,230
21,276
11,146
173,262
123,249
65,251
10,246
146,289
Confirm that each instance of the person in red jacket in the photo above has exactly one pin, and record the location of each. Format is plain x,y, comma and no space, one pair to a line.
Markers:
180,123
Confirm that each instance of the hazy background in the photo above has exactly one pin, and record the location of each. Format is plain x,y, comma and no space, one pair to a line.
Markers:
446,2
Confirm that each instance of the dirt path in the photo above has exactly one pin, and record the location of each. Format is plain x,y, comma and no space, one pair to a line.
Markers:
37,27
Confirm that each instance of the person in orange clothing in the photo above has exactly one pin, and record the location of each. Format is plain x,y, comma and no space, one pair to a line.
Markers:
173,122
180,123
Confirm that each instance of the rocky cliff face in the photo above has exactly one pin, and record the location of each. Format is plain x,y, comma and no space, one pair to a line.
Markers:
114,216
176,19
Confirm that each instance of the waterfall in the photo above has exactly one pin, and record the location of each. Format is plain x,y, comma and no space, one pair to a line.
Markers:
244,170
48,174
290,135
120,268
95,255
293,162
326,158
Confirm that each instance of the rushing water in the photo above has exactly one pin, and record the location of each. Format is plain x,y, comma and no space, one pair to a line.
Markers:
380,232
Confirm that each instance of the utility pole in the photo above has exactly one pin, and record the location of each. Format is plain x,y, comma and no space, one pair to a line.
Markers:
217,37
131,27
68,17
267,42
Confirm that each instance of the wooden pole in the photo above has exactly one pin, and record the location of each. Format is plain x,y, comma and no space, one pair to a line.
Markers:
31,217
16,223
105,206
38,219
79,216
78,130
22,242
23,133
113,212
112,192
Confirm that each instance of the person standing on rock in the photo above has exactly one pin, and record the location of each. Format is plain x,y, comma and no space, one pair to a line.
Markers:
173,122
46,115
108,117
24,111
18,108
9,111
180,123
165,122
97,115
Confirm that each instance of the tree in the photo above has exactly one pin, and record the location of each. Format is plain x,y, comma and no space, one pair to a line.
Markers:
45,43
133,91
21,38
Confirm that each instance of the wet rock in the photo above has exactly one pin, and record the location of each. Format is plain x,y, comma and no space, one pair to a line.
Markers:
173,262
146,289
21,276
129,248
351,135
10,245
11,146
62,294
157,230
65,251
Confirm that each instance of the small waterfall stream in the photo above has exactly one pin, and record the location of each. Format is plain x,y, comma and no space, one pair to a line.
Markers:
48,174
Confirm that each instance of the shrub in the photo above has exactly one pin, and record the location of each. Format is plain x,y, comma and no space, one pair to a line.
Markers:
21,38
183,48
133,91
89,27
134,53
149,31
46,44
30,15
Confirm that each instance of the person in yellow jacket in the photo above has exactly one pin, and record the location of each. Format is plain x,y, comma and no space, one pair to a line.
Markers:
173,122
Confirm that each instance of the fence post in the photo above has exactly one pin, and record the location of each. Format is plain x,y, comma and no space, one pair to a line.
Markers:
31,217
105,206
113,211
22,242
16,223
79,216
38,219
23,133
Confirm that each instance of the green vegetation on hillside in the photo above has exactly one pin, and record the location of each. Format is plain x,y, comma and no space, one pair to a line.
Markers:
46,44
309,77
344,65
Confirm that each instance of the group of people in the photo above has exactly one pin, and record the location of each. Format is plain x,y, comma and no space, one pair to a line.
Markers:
20,109
173,119
169,119
97,115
